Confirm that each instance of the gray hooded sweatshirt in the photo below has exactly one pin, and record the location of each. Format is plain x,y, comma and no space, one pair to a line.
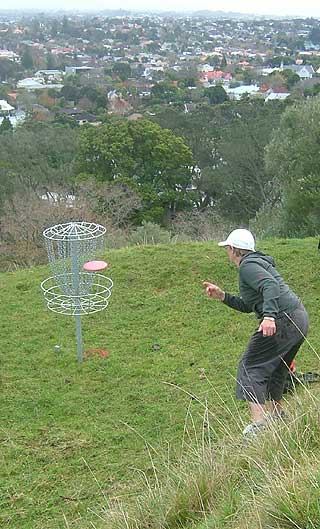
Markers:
262,289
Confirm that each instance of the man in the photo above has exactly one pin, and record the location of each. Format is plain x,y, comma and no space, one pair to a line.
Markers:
264,366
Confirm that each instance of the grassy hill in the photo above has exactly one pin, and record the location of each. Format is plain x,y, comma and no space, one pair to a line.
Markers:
75,437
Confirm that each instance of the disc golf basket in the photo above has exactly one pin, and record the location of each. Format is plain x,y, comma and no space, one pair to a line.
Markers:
77,286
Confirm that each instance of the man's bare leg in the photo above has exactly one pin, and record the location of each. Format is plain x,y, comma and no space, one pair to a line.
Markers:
258,417
275,407
258,412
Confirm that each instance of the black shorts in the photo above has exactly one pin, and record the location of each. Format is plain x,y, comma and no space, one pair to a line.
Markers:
263,368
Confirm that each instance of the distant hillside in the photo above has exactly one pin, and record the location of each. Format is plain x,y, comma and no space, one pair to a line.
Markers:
238,16
74,436
222,14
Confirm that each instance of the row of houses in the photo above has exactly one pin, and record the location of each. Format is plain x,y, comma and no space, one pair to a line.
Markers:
209,74
304,71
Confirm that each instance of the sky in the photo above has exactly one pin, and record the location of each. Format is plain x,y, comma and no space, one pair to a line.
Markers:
306,8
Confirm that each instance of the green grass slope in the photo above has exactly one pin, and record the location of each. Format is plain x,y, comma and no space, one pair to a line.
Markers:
75,436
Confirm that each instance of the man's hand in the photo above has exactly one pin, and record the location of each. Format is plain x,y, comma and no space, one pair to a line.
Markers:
268,327
213,291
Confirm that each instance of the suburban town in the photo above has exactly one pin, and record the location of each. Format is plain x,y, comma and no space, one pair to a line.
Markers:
83,67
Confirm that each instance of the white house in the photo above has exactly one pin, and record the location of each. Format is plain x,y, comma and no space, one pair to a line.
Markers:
277,96
5,108
51,75
15,116
239,91
36,83
30,83
267,71
305,71
149,70
9,55
206,68
73,70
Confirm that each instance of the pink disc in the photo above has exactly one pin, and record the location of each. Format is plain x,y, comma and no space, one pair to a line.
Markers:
95,266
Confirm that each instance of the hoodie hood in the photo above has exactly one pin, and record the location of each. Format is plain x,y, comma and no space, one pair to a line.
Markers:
260,258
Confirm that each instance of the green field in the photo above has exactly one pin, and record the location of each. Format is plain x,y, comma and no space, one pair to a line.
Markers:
74,437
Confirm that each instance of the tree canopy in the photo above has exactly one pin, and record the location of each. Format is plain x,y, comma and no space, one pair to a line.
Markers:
228,142
36,157
216,94
156,162
293,161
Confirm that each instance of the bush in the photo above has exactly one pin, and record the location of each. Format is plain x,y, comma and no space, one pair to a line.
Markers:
28,213
25,217
200,226
269,222
150,233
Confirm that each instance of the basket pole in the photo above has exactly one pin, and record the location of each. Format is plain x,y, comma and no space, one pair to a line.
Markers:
75,280
79,338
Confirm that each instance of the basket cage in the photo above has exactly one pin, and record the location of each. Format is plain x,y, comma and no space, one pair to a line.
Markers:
69,247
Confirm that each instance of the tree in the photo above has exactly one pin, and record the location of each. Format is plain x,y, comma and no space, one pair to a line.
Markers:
8,70
227,142
155,162
36,157
65,28
122,70
311,91
201,130
70,92
94,95
165,92
276,80
223,62
116,203
293,162
275,62
27,59
291,78
216,95
240,180
249,76
6,125
4,90
214,60
314,35
54,27
50,61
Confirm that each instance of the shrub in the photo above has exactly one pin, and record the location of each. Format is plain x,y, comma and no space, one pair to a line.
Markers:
28,213
150,233
200,226
269,222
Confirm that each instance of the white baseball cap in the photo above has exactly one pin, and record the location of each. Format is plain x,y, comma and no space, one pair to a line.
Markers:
239,238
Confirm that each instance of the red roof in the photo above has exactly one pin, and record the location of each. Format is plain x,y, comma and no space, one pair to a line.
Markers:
268,86
217,74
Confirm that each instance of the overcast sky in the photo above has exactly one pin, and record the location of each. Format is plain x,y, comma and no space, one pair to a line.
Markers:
304,8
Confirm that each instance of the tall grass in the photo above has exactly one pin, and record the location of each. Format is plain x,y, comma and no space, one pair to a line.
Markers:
271,483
